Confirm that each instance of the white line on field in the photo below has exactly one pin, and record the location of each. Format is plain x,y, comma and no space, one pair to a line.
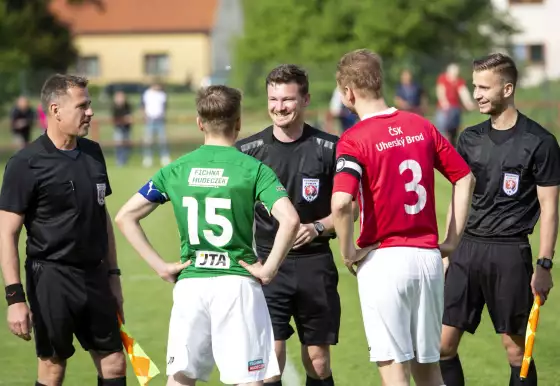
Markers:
290,376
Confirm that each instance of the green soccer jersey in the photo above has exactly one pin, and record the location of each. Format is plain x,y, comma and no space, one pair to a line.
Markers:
213,191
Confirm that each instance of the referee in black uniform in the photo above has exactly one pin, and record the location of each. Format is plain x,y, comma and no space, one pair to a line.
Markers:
57,187
516,163
306,284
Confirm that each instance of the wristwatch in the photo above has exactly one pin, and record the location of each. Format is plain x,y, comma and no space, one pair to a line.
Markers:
545,263
319,227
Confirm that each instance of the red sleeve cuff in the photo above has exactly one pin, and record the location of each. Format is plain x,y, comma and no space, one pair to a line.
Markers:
457,176
346,183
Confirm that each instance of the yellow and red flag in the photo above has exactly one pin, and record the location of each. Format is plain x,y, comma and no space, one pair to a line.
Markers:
530,337
142,365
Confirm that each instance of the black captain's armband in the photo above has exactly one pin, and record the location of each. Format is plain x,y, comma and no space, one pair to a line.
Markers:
348,164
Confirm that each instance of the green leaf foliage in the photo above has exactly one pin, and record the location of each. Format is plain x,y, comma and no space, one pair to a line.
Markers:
420,35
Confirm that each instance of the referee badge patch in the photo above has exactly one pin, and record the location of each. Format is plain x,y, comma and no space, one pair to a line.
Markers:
101,188
310,189
511,183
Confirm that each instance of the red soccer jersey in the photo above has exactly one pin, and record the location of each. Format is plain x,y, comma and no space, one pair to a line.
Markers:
388,162
451,90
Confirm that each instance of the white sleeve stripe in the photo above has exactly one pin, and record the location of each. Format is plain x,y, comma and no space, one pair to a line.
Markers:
353,165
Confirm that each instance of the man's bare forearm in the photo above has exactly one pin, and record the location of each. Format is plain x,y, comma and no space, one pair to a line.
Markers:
459,208
343,218
283,242
135,235
548,233
10,230
329,223
9,259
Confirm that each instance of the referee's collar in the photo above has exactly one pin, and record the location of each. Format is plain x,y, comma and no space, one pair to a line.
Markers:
49,145
520,123
388,111
268,135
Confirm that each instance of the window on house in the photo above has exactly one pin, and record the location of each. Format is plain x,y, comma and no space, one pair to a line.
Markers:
88,66
529,53
157,64
535,53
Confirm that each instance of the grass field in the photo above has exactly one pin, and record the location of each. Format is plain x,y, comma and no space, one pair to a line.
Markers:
148,305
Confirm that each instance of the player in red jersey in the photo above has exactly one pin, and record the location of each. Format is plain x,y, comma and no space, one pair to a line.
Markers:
386,161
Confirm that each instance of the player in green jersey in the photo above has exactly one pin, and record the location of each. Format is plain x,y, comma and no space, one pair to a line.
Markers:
219,313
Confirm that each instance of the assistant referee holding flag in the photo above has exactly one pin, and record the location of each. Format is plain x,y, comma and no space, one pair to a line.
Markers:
516,163
56,187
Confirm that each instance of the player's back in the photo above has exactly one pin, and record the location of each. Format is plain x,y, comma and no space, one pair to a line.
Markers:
213,191
398,152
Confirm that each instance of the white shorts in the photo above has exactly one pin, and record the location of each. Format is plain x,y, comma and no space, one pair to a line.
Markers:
401,295
224,321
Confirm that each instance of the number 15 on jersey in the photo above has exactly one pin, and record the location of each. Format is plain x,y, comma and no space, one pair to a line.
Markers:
211,204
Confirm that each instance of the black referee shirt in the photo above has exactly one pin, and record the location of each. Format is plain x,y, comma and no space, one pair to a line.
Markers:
62,196
306,169
508,166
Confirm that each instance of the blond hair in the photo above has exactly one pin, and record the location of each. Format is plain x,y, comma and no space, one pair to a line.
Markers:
361,70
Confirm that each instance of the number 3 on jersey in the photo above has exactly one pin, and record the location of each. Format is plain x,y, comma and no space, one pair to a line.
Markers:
414,185
212,218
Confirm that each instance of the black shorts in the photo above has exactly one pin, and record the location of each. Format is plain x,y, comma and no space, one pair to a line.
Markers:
305,288
492,272
65,301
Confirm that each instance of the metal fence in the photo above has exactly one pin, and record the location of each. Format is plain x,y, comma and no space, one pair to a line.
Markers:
540,101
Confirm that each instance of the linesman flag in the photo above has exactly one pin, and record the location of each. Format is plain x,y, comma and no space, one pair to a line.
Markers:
530,337
143,366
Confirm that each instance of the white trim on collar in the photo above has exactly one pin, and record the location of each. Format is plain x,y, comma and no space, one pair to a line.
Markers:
390,110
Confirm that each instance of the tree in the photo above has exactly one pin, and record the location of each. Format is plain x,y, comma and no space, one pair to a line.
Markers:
315,33
33,40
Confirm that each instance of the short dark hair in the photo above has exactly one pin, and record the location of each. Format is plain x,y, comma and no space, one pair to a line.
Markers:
289,73
58,85
219,107
500,63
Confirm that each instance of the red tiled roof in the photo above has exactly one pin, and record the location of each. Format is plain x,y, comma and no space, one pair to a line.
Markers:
137,16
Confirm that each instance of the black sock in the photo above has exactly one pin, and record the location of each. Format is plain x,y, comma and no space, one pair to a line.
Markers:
452,371
319,382
277,383
121,381
531,379
37,383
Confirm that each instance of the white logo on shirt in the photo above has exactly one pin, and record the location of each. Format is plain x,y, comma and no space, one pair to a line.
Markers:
101,191
340,164
207,177
210,259
150,188
511,183
399,142
310,189
395,131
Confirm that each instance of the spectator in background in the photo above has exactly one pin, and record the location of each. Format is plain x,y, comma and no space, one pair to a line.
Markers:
337,110
410,96
122,120
451,91
42,118
22,119
154,104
